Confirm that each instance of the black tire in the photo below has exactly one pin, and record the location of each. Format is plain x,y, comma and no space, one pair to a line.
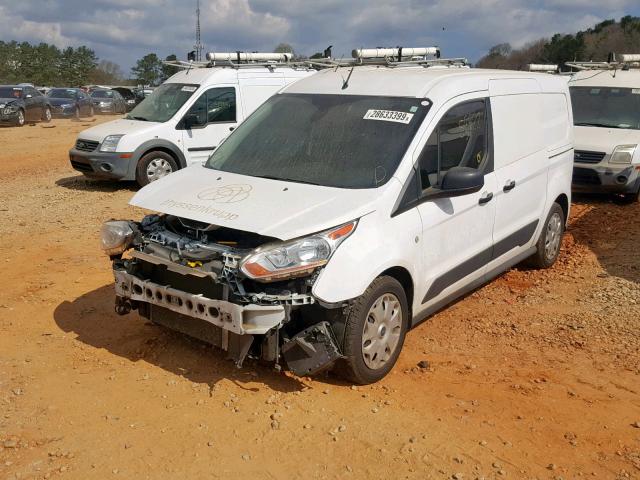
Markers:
21,118
354,367
46,114
546,257
145,165
629,198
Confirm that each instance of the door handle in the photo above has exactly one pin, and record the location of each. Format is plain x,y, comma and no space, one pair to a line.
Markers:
485,198
510,185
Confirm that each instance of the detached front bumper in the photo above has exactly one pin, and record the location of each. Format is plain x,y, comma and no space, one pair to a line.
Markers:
104,165
605,178
239,319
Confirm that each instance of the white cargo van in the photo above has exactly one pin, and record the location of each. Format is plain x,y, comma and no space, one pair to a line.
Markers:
606,114
184,119
348,208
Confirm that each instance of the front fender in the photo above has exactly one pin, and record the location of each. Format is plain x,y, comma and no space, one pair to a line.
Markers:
379,243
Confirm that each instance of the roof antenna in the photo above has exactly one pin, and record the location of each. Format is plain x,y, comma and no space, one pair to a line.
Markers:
345,83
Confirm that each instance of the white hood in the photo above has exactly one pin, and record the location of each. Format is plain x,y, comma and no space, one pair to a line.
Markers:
273,208
599,139
121,126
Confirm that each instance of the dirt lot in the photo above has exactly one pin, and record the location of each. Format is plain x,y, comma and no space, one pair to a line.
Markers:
536,375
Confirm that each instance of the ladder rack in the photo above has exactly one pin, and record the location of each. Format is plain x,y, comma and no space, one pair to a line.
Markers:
626,61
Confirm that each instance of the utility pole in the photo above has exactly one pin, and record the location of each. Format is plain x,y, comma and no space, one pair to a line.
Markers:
198,47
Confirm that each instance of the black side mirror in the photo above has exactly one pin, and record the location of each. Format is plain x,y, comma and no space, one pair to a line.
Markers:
190,120
456,182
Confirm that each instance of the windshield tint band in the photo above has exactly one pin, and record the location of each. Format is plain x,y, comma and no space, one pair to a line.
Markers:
342,141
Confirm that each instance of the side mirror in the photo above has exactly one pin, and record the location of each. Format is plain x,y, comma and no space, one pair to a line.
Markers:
189,120
456,182
28,95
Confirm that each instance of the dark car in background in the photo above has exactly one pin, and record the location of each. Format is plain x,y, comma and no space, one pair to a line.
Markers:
108,101
20,104
129,96
70,102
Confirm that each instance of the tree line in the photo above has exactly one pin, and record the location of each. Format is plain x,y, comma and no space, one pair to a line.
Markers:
593,44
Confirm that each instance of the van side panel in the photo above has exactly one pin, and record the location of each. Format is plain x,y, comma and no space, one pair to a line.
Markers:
256,90
521,167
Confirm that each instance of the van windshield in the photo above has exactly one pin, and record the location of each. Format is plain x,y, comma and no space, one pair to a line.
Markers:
343,141
163,103
606,107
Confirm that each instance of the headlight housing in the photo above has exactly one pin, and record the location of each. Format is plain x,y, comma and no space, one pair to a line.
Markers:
295,258
110,143
66,105
9,109
623,154
116,236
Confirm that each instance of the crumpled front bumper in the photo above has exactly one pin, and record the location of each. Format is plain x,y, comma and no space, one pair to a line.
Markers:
239,319
605,178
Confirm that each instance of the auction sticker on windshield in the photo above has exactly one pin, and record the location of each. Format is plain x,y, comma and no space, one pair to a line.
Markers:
189,88
388,116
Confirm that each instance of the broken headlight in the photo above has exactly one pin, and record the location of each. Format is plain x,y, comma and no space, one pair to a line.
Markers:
295,258
116,236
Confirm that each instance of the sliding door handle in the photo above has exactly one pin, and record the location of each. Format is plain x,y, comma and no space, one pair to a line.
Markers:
485,198
510,185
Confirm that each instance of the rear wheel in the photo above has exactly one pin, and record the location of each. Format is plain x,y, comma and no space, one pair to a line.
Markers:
374,332
46,114
548,246
153,166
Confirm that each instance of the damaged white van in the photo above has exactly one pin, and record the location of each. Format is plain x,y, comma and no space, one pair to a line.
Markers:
185,118
348,208
606,112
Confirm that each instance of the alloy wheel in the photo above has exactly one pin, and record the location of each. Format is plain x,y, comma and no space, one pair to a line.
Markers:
158,168
553,236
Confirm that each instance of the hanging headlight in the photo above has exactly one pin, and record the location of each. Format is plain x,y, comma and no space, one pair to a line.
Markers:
116,236
295,258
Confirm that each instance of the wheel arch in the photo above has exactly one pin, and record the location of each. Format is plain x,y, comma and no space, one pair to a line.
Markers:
403,277
563,201
162,146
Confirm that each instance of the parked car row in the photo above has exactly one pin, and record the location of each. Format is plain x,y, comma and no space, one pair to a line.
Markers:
23,103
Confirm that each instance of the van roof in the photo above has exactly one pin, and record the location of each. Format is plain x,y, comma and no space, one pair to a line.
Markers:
606,78
412,81
212,75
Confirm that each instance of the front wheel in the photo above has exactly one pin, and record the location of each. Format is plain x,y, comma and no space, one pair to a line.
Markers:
548,245
153,166
46,114
374,332
20,118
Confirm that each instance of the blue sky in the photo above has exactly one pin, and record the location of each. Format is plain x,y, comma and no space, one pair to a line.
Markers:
124,30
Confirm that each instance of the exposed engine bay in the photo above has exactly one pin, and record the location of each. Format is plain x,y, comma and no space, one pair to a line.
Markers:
186,276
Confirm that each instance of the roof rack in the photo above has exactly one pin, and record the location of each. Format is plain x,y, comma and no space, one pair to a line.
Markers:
239,60
538,67
393,57
626,61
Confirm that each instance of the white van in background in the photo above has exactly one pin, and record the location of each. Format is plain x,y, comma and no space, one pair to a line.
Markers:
184,119
348,208
606,113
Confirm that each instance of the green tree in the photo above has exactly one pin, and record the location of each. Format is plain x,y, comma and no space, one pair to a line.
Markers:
148,70
168,70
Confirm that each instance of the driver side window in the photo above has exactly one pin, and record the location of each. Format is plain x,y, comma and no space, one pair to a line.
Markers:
216,105
459,140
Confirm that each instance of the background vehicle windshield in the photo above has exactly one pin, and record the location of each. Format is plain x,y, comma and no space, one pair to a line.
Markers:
163,103
606,107
62,93
345,141
102,94
10,92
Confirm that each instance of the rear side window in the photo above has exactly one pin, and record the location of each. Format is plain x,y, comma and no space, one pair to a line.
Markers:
459,140
216,105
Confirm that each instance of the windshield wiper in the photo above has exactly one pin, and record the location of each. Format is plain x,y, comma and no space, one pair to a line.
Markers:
142,119
284,179
590,124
